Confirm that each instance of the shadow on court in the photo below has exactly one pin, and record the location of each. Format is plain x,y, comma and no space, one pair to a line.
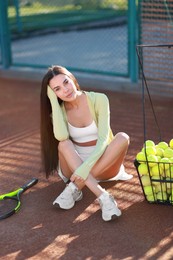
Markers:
38,230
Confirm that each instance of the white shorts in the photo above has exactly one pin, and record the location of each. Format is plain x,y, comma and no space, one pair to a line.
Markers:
83,152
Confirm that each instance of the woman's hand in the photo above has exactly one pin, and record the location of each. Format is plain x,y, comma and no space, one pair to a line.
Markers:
76,178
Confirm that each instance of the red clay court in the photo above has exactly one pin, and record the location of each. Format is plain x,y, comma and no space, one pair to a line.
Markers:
38,230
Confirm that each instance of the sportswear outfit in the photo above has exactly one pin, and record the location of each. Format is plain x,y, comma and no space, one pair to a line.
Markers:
98,130
99,107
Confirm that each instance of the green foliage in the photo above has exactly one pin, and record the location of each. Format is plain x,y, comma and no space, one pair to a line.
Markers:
62,14
45,6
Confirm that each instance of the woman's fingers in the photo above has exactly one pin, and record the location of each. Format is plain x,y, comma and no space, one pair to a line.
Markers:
75,177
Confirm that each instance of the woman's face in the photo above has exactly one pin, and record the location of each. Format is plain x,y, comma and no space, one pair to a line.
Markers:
64,87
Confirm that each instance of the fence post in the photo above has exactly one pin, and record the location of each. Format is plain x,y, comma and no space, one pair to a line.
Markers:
132,40
5,35
19,22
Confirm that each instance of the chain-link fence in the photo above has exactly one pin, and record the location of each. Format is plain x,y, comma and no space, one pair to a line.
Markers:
156,28
0,52
84,35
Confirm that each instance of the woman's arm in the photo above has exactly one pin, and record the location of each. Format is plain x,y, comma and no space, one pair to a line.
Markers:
59,125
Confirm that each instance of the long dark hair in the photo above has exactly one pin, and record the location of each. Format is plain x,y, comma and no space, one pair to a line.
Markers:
49,145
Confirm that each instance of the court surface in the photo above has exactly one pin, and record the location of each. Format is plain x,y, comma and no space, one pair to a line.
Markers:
39,231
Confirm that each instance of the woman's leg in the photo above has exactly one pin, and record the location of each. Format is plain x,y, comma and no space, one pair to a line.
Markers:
69,159
68,154
71,194
110,162
65,168
106,167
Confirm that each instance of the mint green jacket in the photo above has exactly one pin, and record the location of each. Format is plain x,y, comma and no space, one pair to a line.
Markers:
99,107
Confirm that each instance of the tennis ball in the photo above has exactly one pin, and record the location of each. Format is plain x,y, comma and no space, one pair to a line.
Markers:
152,160
140,157
149,150
161,187
164,163
171,143
168,191
171,197
159,151
162,145
172,192
169,183
171,160
156,170
151,197
159,158
169,172
143,169
149,143
156,179
168,153
148,190
145,179
162,195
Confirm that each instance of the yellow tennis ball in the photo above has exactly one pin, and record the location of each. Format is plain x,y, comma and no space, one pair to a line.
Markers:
152,160
172,192
140,157
156,170
169,183
143,169
162,145
145,179
168,191
161,187
164,163
171,198
158,158
169,172
168,153
159,151
149,150
156,179
149,190
151,197
171,143
162,196
171,160
149,143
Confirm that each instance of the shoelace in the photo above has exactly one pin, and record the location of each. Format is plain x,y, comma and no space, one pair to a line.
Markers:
76,193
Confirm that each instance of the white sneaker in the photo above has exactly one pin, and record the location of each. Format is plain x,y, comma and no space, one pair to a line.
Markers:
67,199
109,207
123,175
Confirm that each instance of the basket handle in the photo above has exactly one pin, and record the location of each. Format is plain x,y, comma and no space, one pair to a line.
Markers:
145,85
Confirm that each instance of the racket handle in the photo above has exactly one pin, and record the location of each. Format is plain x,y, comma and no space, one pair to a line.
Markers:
29,184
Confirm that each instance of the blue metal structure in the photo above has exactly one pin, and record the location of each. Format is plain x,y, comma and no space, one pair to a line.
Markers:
130,65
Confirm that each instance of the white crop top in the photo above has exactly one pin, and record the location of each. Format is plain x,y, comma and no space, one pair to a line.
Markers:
83,134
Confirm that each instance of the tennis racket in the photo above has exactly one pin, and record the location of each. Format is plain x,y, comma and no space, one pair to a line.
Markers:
10,203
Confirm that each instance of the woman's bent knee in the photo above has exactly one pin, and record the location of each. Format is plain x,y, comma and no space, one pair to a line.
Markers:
64,145
123,137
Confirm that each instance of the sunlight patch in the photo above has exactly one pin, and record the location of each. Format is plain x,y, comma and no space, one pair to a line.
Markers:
86,214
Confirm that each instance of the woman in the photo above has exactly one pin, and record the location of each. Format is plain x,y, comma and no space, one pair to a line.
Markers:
77,140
